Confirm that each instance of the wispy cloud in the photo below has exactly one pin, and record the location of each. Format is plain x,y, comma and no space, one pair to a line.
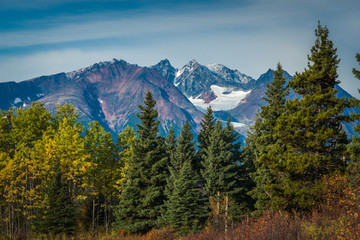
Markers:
134,26
248,35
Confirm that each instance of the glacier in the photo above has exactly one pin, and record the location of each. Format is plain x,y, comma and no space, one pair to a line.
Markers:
226,99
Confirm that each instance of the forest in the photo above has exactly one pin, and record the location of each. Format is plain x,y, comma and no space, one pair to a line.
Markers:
296,177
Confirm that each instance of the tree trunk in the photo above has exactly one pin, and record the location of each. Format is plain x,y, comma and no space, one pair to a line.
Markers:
93,218
218,209
106,217
226,212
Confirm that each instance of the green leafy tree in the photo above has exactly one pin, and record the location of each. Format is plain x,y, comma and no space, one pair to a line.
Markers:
311,140
67,146
187,206
126,140
104,175
261,137
146,173
20,172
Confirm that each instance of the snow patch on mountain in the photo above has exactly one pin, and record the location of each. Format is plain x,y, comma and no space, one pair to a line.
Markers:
179,72
228,74
238,124
17,100
235,124
226,99
215,67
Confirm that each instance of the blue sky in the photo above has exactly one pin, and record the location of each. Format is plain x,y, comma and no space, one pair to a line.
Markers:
42,37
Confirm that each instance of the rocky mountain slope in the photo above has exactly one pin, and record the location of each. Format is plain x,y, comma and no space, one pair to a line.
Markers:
229,92
108,92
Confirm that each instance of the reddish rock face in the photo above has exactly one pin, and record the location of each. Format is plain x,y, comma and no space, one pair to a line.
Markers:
108,92
209,96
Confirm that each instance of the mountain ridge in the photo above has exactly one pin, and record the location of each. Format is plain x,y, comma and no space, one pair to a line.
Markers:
110,92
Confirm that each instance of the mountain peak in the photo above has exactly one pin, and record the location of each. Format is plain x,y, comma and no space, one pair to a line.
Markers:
165,69
165,63
193,63
268,76
216,67
96,66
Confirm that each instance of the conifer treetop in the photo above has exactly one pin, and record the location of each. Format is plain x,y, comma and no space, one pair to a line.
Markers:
149,125
321,75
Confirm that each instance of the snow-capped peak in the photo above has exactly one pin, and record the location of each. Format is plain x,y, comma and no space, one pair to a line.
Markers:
188,68
215,67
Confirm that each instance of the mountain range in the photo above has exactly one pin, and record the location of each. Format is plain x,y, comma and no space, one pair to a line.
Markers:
110,92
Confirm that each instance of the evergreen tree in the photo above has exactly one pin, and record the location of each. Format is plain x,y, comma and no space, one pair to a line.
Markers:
185,148
237,200
357,72
184,151
171,143
354,147
219,169
311,141
261,137
207,126
143,195
187,207
58,214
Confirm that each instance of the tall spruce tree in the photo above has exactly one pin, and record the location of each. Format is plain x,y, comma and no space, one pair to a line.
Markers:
207,126
183,191
187,206
143,194
172,162
219,171
311,141
237,200
180,150
57,217
261,136
354,147
171,144
185,148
